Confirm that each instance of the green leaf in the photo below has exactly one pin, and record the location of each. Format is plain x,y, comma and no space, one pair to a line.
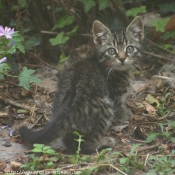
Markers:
124,160
167,46
152,137
63,21
16,43
49,151
26,77
89,170
37,150
102,4
173,139
36,145
50,164
4,66
133,148
135,11
87,4
74,30
171,124
23,3
160,24
1,76
151,100
63,58
59,39
58,171
31,42
167,7
46,148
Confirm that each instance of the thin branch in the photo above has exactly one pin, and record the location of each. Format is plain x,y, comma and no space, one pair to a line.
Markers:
157,56
158,46
26,107
48,32
40,59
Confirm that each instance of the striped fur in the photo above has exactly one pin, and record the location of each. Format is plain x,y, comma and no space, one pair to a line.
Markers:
91,91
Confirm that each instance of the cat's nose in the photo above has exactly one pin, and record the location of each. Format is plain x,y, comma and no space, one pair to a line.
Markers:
122,59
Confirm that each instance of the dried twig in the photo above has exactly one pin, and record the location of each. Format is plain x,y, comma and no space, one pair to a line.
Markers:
157,56
40,59
28,108
49,32
2,114
145,148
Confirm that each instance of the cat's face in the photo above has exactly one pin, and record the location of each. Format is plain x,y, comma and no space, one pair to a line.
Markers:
118,49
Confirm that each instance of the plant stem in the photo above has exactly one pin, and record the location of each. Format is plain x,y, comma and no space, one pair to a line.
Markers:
9,74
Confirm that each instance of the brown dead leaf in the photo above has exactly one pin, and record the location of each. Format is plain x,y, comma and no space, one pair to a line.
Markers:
138,132
171,25
152,112
15,165
139,118
2,166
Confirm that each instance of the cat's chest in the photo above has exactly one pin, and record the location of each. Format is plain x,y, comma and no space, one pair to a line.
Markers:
118,84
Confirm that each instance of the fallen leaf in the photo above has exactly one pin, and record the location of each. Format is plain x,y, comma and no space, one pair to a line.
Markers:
152,112
15,165
139,105
151,100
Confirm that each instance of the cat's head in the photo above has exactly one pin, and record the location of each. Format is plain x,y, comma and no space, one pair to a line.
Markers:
118,49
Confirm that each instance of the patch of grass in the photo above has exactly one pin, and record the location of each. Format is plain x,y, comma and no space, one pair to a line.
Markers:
167,133
164,164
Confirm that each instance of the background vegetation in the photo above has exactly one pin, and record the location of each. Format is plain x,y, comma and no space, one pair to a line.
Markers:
53,27
49,30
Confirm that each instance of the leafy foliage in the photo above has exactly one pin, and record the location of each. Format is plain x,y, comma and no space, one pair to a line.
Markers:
26,77
135,11
162,164
167,7
63,21
60,39
87,4
160,24
79,140
103,4
164,133
16,43
41,148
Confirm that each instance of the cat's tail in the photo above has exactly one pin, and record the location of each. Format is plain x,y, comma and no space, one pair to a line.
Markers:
48,133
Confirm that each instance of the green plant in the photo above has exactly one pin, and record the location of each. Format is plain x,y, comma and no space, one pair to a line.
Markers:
135,11
160,24
130,161
10,41
33,165
163,165
35,162
41,148
101,155
163,133
79,140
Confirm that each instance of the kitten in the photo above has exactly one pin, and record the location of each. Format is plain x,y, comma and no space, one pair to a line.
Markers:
91,91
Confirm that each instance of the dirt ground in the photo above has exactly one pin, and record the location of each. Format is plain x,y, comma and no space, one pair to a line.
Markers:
152,101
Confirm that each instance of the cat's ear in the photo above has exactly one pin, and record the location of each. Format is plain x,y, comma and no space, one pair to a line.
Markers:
101,33
136,29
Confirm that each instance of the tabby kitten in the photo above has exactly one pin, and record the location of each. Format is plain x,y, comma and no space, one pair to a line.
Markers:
91,91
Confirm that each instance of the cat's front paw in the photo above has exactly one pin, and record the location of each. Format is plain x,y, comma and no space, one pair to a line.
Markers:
122,115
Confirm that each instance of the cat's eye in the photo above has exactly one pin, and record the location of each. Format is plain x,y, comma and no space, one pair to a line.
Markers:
111,51
130,49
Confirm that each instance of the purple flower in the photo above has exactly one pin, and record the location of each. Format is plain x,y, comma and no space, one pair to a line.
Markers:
11,133
6,32
4,127
3,60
